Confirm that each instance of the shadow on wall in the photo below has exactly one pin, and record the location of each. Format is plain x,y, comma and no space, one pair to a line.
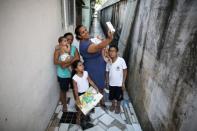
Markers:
114,14
158,41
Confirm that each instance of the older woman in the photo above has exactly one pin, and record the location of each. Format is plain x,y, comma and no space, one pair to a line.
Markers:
92,56
63,71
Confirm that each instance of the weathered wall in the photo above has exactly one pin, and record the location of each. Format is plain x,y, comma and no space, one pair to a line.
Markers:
114,13
161,52
86,14
28,85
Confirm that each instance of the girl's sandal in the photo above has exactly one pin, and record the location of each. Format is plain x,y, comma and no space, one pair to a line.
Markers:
64,109
117,110
112,108
78,121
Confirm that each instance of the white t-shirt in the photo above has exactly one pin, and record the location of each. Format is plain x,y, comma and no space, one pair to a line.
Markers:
116,71
82,82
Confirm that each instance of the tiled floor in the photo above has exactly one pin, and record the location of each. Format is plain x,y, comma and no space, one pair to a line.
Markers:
104,120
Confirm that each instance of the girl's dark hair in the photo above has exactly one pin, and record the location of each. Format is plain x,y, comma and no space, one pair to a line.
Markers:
77,33
74,66
60,38
67,34
114,46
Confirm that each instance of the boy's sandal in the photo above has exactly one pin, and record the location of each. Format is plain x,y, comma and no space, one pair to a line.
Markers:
78,121
117,110
103,106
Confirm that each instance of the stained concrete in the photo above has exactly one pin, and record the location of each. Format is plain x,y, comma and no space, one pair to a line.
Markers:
117,19
161,52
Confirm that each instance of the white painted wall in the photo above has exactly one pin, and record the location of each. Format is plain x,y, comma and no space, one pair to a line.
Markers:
28,87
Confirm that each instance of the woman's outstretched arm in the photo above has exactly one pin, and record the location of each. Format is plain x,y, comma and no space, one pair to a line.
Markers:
93,48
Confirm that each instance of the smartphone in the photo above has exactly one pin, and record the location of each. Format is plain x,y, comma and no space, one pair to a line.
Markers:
110,26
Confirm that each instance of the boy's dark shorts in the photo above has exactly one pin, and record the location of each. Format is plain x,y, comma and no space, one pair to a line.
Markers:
64,83
115,93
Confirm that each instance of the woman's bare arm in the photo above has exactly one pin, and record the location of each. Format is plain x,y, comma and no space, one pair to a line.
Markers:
56,57
93,48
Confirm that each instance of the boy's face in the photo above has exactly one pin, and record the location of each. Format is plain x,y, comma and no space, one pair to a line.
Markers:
63,42
112,52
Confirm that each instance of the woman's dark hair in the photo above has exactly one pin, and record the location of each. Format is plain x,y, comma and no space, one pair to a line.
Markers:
67,34
114,46
74,66
77,33
60,38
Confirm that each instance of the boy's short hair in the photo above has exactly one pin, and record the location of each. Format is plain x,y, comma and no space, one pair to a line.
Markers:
114,46
60,39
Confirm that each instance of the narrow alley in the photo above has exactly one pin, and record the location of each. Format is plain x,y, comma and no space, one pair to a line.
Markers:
156,38
103,119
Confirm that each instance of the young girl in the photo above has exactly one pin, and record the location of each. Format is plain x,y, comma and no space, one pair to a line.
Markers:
63,64
81,82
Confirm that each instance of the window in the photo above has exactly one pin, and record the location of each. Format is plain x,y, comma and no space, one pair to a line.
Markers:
68,13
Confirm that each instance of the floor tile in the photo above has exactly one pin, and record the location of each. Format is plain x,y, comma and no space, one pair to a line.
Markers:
60,114
95,128
102,126
98,112
106,119
137,127
116,116
113,128
59,108
63,127
129,127
74,127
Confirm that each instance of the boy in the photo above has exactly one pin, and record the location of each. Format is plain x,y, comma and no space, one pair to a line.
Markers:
116,73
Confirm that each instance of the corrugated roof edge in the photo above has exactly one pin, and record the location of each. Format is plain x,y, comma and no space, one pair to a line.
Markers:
109,3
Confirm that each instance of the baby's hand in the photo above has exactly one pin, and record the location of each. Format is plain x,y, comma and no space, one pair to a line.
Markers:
98,37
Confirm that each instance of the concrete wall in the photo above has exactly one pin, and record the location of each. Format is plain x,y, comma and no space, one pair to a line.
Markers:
28,87
161,53
114,13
